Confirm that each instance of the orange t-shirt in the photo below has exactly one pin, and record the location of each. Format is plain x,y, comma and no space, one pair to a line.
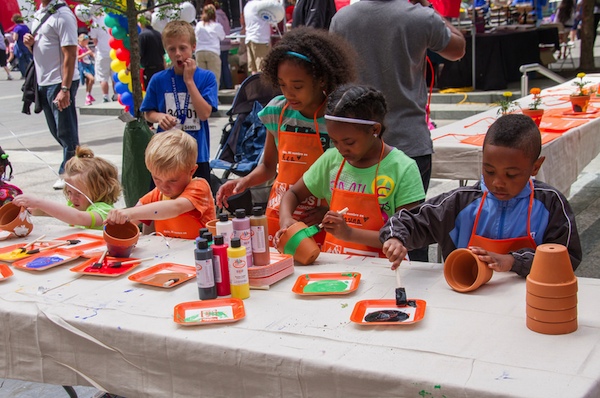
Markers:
186,225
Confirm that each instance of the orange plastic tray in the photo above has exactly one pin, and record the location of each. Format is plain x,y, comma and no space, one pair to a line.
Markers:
162,274
7,256
208,312
5,272
326,283
86,267
88,241
41,261
365,307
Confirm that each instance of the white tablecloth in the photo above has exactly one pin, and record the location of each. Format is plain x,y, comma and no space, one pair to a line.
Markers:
64,328
566,156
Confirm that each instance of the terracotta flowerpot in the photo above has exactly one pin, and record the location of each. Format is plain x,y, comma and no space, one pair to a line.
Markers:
559,316
551,264
579,103
551,303
535,114
15,221
212,227
303,247
121,238
464,272
551,290
552,328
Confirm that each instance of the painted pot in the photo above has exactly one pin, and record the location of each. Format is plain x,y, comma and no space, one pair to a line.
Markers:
552,328
551,264
579,103
551,303
535,114
212,227
549,316
121,238
15,221
297,241
464,272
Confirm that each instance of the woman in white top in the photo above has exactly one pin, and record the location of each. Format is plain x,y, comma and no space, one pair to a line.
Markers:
209,34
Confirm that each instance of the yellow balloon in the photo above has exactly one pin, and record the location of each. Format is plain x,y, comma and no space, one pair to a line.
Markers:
117,65
113,54
124,77
143,93
130,86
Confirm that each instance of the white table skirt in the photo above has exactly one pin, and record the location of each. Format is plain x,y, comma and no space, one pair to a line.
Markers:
64,328
566,156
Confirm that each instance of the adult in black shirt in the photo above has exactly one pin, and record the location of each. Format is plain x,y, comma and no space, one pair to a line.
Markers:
151,51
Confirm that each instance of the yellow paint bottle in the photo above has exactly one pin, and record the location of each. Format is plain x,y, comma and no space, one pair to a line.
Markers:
238,270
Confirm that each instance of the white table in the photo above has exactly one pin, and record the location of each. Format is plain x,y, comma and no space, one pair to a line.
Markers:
63,328
566,156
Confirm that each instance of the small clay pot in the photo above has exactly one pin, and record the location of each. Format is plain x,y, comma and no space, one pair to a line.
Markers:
306,250
535,114
121,238
15,220
551,290
551,264
547,303
551,328
464,272
212,227
559,316
579,103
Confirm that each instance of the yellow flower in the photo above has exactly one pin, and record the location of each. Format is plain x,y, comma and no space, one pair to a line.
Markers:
580,75
507,94
506,105
581,89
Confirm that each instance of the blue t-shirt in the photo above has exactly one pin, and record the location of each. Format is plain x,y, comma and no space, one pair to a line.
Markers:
160,98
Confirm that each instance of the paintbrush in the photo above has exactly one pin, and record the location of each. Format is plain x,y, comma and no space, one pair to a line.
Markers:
100,262
341,213
41,249
400,292
30,244
118,264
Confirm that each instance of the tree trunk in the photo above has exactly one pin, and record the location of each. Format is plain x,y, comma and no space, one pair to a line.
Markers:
134,55
588,33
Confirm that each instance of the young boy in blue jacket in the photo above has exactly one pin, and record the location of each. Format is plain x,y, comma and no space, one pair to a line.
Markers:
501,218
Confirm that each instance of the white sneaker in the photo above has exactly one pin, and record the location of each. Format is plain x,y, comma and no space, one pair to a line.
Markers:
59,184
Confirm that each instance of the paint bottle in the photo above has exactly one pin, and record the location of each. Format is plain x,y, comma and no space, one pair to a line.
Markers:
225,228
260,237
238,270
200,232
204,270
209,238
221,266
241,229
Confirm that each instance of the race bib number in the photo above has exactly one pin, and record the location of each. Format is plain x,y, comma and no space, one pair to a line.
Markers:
192,121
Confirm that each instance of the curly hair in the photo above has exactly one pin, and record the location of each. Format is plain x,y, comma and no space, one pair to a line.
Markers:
330,57
358,102
99,176
518,132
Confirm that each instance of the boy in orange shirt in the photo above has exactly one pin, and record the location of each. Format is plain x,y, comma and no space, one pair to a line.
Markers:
179,205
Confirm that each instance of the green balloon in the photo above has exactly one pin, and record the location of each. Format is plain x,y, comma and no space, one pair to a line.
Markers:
126,42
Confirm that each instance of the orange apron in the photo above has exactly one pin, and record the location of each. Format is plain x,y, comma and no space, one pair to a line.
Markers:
504,246
363,212
296,152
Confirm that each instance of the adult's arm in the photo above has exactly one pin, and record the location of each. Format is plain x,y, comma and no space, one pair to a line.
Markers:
456,47
63,98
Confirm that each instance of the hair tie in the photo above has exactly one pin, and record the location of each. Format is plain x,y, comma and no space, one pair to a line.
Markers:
298,55
350,120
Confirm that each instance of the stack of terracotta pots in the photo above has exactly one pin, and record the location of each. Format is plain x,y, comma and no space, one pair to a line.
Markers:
552,291
464,272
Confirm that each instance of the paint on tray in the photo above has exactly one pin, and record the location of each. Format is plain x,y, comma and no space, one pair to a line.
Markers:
45,261
327,285
386,316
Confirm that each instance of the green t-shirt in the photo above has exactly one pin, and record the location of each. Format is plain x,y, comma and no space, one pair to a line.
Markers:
398,180
101,208
292,121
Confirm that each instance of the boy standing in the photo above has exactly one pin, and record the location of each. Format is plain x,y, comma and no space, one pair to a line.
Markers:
502,218
184,95
179,205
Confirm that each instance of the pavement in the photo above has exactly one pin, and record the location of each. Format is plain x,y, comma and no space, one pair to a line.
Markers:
35,157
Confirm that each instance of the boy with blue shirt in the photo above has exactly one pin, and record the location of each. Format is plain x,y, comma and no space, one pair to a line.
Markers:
184,95
501,218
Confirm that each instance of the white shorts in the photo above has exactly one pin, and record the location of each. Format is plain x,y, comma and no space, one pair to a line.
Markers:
103,71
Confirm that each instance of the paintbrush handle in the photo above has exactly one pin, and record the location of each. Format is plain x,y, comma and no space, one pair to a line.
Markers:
398,281
30,244
53,246
137,261
341,213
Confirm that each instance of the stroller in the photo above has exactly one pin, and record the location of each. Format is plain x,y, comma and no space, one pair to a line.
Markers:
243,141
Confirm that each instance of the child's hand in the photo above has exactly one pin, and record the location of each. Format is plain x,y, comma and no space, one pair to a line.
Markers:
166,121
230,188
189,68
395,251
315,216
335,224
497,262
27,201
117,216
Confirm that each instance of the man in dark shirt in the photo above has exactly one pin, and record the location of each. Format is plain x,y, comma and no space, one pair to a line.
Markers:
151,50
314,13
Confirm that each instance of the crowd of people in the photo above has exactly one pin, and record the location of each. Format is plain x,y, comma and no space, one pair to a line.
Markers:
341,135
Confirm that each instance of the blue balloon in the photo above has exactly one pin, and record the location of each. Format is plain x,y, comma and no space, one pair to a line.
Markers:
119,33
110,20
115,77
122,20
126,99
121,88
131,111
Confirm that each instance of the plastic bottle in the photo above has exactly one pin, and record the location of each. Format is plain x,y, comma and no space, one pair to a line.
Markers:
209,238
204,270
225,228
238,270
221,266
201,231
260,237
241,229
